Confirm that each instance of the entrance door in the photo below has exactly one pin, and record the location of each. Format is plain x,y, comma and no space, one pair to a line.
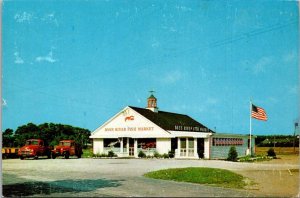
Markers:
200,147
187,147
183,150
131,147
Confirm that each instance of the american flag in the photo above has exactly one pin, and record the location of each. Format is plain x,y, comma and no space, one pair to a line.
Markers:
258,113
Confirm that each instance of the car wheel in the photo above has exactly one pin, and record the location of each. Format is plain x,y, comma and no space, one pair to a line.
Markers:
67,155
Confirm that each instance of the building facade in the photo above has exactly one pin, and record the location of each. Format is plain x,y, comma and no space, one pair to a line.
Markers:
149,130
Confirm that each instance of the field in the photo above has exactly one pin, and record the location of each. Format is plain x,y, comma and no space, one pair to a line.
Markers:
278,150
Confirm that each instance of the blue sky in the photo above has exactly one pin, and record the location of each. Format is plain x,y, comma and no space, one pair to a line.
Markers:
81,62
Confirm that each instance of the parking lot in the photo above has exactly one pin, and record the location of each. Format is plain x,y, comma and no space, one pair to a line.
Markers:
123,177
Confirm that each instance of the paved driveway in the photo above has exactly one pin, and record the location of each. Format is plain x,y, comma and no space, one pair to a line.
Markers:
114,177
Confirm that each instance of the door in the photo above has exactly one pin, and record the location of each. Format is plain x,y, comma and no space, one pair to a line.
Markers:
200,147
131,147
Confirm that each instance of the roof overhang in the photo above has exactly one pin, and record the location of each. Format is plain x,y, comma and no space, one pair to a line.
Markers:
189,134
231,135
130,135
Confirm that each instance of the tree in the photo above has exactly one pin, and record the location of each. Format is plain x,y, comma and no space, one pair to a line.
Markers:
8,138
232,154
49,132
271,153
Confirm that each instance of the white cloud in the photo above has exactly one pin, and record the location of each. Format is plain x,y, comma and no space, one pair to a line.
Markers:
169,28
23,17
290,57
260,66
4,103
49,58
18,59
26,17
50,18
212,101
155,43
183,8
173,77
293,89
272,99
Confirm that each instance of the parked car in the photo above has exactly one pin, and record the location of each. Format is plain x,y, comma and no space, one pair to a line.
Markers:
34,148
67,148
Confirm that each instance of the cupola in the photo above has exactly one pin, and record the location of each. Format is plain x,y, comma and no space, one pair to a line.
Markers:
152,103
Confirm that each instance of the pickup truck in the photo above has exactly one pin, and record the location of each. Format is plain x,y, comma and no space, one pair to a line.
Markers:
34,148
67,148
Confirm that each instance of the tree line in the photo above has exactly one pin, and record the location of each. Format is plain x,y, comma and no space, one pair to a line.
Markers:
49,132
276,140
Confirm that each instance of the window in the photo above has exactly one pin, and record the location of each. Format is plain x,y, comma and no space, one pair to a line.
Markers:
228,142
111,142
182,142
191,143
147,143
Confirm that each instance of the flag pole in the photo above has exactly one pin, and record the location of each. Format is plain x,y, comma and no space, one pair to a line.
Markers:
250,150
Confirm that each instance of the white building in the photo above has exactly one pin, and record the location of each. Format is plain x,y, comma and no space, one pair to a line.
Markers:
149,130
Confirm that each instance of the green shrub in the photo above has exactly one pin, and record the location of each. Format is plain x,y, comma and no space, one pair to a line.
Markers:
271,153
165,155
103,155
149,156
246,158
171,154
141,154
111,154
157,155
232,154
249,158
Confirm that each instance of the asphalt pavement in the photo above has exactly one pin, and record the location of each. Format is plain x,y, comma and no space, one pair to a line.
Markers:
114,177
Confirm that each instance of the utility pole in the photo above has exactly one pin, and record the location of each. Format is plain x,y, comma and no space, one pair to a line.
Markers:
296,125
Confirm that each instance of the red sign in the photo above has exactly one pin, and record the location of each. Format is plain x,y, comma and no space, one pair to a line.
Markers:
129,118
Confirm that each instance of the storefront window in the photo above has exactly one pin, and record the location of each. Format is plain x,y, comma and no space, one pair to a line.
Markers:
182,142
191,143
109,142
147,143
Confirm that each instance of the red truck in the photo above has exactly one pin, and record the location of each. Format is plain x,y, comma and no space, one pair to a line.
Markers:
34,148
67,148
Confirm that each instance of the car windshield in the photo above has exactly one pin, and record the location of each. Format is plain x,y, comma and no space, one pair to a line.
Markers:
32,142
64,143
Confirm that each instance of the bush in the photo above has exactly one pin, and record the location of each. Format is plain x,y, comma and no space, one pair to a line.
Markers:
171,154
110,154
97,155
165,155
271,153
103,155
149,156
141,154
249,158
156,155
232,154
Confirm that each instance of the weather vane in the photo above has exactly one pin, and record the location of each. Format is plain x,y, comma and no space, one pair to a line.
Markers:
152,91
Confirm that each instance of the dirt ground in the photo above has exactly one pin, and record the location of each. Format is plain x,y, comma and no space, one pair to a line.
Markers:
282,183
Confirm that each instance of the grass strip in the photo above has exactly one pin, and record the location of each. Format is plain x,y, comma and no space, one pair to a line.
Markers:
200,175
